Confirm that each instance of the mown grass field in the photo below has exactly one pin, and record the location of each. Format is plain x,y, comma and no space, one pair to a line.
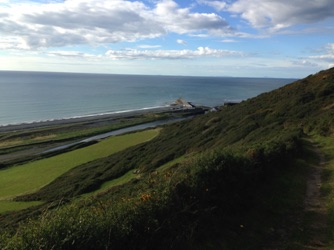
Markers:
30,177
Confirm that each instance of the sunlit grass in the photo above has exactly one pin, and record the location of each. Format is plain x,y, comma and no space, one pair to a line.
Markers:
32,176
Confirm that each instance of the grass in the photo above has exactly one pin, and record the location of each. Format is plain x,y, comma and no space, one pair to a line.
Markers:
275,211
32,176
115,182
130,175
327,146
171,163
307,230
10,206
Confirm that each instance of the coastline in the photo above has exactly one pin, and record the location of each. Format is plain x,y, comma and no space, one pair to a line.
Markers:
105,117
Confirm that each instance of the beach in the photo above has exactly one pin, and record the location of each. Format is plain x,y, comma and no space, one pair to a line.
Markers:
98,119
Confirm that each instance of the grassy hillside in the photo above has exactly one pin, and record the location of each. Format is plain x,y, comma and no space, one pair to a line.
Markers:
215,181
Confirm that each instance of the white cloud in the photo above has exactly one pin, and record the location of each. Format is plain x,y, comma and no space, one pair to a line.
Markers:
229,41
304,63
279,14
171,54
182,20
145,46
180,41
75,22
217,5
327,54
71,54
323,59
12,42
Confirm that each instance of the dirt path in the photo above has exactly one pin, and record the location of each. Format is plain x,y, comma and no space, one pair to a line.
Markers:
315,208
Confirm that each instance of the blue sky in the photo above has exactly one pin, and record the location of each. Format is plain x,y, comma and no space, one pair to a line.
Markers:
247,38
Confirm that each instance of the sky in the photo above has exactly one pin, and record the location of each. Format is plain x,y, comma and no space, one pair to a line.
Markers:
241,38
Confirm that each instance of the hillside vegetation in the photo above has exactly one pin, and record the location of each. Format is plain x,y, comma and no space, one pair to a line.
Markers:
221,180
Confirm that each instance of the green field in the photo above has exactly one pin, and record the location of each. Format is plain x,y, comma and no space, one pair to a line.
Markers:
27,178
9,206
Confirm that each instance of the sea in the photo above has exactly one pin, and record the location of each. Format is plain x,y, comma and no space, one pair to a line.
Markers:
27,97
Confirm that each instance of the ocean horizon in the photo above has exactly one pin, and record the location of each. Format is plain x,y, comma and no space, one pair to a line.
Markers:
28,97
